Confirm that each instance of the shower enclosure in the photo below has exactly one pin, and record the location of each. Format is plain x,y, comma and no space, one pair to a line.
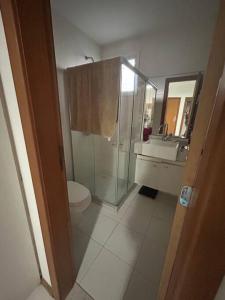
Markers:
107,165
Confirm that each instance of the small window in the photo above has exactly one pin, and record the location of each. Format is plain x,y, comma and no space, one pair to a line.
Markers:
128,77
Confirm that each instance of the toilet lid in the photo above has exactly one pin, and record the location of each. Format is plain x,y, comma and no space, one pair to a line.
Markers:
79,195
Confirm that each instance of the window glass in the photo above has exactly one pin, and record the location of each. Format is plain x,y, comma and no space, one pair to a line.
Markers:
128,77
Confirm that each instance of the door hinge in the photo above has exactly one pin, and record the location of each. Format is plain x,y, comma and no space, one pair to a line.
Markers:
185,196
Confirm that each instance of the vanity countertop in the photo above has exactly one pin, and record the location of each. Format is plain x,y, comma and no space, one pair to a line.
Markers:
164,149
160,160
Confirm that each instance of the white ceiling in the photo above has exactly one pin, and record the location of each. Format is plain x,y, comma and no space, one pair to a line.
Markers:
107,21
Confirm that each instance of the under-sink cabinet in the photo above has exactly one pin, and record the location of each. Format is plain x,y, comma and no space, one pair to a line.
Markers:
159,174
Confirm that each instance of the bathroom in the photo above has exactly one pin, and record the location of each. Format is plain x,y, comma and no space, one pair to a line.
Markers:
121,236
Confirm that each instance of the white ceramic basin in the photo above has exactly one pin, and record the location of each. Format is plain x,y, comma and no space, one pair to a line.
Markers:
161,149
158,148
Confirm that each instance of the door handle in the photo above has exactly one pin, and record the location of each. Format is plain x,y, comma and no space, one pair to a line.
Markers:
185,195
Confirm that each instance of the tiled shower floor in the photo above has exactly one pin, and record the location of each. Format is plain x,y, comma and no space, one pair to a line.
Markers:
120,255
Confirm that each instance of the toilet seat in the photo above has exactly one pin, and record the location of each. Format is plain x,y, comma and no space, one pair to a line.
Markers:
79,195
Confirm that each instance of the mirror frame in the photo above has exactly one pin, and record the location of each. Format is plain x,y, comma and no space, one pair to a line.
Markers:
198,77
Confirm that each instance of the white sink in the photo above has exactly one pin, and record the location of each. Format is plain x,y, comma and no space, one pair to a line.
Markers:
158,148
161,149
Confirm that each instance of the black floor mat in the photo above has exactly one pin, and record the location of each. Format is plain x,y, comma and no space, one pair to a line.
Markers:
147,191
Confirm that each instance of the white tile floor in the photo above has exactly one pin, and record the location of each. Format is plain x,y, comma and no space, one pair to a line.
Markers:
105,188
39,293
120,255
77,293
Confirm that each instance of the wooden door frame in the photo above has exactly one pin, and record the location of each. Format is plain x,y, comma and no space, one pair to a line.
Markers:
29,37
200,266
207,100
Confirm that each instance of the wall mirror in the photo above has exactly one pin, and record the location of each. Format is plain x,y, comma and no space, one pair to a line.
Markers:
180,105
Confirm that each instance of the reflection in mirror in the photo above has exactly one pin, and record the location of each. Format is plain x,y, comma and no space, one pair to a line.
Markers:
180,100
150,94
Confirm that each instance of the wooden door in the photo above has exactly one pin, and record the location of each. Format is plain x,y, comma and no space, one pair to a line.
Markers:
207,101
172,110
29,38
200,266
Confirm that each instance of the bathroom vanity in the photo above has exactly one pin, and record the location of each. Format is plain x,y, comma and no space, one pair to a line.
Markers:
160,163
161,159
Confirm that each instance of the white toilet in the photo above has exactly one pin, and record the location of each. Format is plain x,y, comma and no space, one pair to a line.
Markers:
79,196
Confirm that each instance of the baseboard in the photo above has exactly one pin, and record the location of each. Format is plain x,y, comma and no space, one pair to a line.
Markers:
47,287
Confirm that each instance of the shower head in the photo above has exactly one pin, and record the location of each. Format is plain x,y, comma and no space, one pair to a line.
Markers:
89,58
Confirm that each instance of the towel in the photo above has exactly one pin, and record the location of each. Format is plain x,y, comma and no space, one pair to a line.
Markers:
94,91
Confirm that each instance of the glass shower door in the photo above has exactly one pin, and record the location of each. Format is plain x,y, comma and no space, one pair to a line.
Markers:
128,79
107,165
105,173
136,126
83,159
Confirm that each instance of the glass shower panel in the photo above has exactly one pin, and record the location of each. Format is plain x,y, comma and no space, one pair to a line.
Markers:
124,130
136,126
106,166
105,157
83,159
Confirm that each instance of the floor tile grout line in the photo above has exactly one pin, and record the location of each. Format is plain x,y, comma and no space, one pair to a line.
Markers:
141,247
102,248
104,244
144,279
132,273
130,228
118,221
110,234
85,291
131,265
122,260
125,225
90,235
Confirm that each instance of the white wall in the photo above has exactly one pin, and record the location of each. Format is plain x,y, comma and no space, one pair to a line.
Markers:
166,53
71,46
19,273
13,111
171,51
